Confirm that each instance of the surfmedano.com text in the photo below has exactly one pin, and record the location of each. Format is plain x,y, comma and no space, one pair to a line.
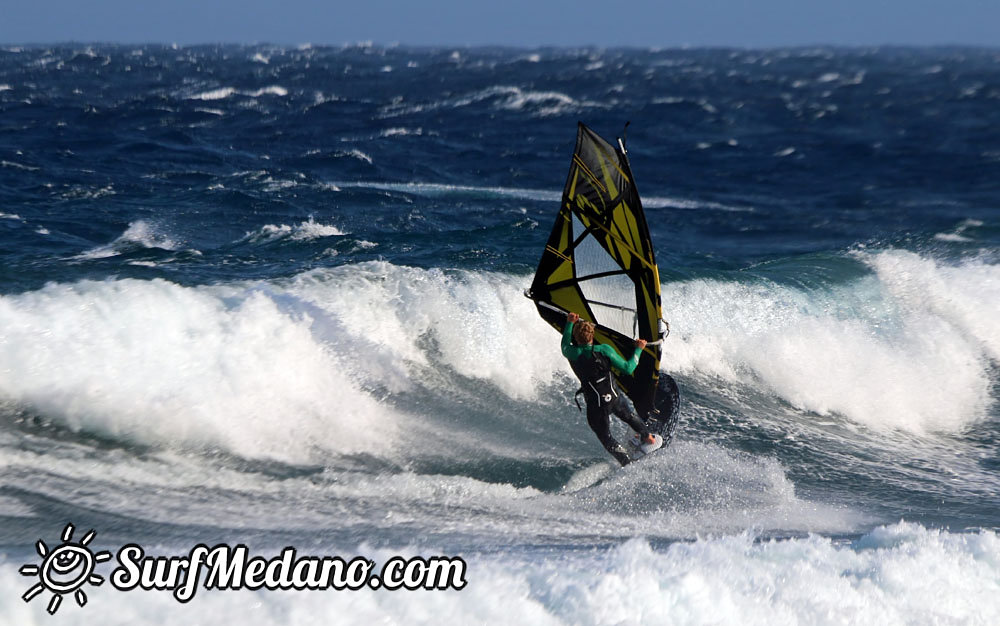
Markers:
233,568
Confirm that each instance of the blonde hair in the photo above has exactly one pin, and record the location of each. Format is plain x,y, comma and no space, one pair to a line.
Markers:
583,332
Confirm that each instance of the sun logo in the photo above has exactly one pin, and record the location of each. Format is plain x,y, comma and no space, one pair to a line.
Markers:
65,569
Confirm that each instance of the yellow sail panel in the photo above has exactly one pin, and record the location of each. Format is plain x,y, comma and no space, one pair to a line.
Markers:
570,299
611,186
574,175
626,225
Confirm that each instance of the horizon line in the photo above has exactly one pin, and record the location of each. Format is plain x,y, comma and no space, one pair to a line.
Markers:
361,44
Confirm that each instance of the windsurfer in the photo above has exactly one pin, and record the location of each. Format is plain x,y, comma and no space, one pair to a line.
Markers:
592,365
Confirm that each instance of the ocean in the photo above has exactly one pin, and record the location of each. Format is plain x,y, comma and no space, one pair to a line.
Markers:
272,297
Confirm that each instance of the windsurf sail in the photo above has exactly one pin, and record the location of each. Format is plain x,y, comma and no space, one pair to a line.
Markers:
599,262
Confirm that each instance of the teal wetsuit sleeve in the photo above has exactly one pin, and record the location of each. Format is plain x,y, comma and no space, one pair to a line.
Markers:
569,351
620,364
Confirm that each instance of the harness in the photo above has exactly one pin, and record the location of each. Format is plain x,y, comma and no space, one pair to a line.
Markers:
594,371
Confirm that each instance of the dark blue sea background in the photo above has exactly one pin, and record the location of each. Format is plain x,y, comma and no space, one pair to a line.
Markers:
272,296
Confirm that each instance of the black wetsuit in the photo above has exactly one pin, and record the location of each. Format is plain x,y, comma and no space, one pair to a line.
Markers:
599,412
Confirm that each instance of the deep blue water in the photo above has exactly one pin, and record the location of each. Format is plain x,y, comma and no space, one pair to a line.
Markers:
272,295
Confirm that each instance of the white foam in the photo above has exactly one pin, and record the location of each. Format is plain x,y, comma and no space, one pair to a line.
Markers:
955,298
697,489
482,325
506,97
225,92
140,233
897,575
906,348
89,193
952,237
214,94
401,132
274,184
356,154
157,363
20,166
957,235
516,99
297,371
305,231
319,98
658,202
544,195
437,189
272,90
900,574
657,498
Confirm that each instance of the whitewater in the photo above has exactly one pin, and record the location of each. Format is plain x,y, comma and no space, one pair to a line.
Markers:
295,318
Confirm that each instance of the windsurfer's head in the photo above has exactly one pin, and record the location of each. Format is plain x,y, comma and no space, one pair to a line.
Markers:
583,332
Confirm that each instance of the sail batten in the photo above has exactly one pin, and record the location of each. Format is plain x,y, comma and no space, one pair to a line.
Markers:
599,262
